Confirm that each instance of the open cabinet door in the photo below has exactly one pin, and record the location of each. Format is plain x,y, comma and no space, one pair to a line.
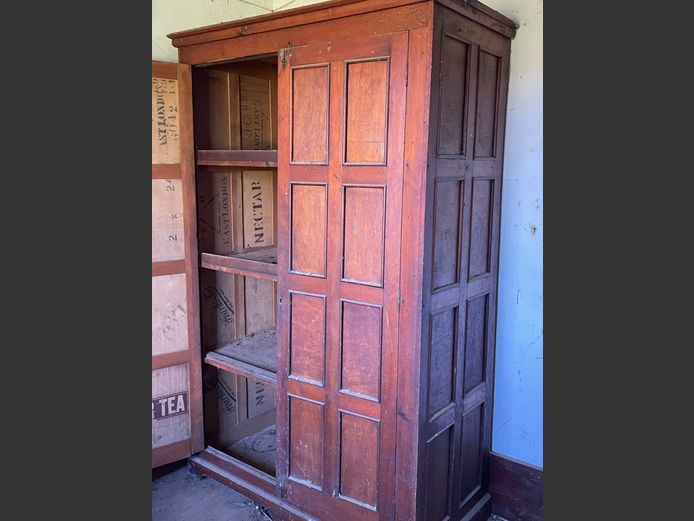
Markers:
177,427
341,134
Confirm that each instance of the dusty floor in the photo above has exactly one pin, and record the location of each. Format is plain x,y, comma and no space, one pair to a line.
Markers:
180,496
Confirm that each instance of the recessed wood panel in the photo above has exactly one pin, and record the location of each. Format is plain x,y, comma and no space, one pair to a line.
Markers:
438,464
471,457
366,112
170,402
453,96
364,222
310,88
475,342
308,229
169,314
165,122
448,200
306,435
442,360
167,220
487,100
218,307
256,113
359,459
480,227
307,337
361,349
215,234
258,209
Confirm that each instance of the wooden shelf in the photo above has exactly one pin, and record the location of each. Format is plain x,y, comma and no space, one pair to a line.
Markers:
252,356
261,264
241,158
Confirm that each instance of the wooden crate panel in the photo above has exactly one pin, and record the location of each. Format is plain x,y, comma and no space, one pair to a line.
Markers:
448,206
165,122
307,337
361,349
256,113
453,96
309,125
359,459
224,406
218,308
308,229
215,211
367,112
480,227
475,342
438,469
170,401
488,76
306,439
169,314
260,305
258,208
363,242
441,390
471,455
216,110
261,398
167,220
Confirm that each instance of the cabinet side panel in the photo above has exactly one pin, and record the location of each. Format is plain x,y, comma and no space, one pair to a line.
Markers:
463,190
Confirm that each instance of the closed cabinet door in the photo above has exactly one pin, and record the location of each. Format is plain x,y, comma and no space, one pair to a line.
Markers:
341,133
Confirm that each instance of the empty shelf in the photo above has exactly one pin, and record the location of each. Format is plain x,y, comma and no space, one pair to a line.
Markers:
253,356
261,264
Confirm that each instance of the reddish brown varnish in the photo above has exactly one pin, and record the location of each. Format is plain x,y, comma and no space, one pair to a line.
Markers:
389,137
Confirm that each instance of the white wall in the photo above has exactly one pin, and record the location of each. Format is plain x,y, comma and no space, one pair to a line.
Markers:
517,430
169,16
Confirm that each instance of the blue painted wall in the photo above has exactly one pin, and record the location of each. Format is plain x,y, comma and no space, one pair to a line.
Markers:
517,427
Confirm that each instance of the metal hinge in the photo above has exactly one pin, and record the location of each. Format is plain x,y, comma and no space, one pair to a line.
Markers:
283,54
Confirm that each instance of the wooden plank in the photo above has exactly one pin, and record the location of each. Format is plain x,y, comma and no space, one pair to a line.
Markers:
273,21
258,209
241,368
409,331
170,453
218,317
259,350
256,113
170,426
393,20
163,171
258,489
165,121
169,314
169,359
260,305
168,267
239,265
167,220
238,158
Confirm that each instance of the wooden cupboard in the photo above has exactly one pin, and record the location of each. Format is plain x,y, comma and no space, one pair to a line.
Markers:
347,194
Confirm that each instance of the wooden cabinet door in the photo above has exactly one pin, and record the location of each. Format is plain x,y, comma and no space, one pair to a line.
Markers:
177,430
341,134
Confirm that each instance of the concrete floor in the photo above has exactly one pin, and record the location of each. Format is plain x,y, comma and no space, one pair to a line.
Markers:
181,496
